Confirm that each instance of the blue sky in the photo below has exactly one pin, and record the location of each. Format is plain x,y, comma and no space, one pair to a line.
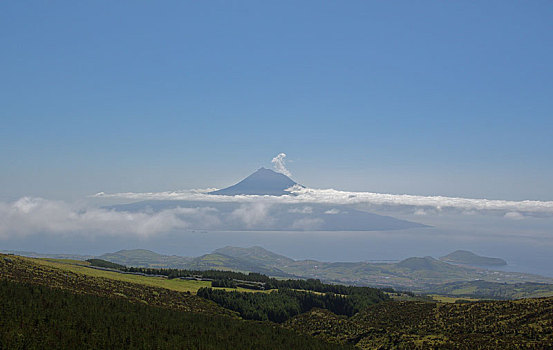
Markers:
430,97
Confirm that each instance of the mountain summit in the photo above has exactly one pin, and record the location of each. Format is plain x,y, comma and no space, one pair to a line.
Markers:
262,182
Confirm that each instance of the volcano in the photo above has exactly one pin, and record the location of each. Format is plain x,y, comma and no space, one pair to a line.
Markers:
262,182
231,214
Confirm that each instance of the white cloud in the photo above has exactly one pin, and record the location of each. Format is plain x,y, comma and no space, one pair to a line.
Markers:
412,203
332,211
513,215
279,164
36,215
438,203
307,223
301,210
252,214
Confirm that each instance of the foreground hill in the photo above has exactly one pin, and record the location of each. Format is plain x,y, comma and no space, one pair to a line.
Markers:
67,277
52,303
38,317
46,304
521,324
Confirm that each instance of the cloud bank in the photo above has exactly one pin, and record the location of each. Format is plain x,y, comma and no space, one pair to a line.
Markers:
420,205
252,214
37,215
28,215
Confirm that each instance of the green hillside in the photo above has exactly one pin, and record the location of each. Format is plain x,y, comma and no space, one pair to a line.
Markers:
145,258
54,302
224,258
177,294
256,255
427,263
469,258
38,317
227,262
522,324
492,290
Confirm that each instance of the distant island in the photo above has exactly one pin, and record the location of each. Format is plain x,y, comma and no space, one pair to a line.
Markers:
418,274
464,257
230,215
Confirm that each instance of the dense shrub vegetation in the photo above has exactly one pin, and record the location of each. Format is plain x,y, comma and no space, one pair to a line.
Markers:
279,306
520,324
37,317
293,297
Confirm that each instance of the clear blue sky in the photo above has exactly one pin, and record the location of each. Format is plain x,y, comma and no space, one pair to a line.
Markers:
425,97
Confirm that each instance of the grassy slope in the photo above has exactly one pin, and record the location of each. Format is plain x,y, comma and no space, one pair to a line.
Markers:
172,284
80,279
79,267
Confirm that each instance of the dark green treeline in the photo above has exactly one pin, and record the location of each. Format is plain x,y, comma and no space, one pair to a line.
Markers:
37,317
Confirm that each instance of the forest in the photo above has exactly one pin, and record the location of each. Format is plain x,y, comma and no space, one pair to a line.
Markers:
38,317
287,299
282,304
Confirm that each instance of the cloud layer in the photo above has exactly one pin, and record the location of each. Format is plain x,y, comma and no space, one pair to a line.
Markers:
420,205
36,215
30,215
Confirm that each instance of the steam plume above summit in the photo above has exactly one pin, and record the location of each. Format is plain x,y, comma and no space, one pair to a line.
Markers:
279,164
